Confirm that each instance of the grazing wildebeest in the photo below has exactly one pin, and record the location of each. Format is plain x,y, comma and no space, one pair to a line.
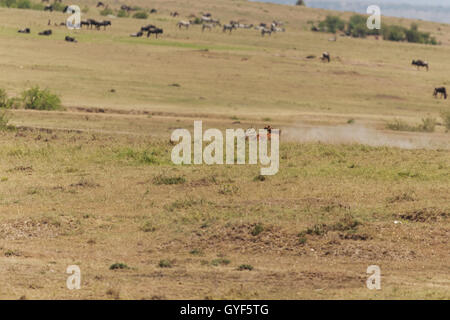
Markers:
84,23
228,27
208,26
265,31
325,56
48,8
154,31
215,22
206,19
276,29
153,11
147,28
184,24
70,39
45,33
91,23
100,4
126,8
442,91
137,34
420,63
103,24
26,30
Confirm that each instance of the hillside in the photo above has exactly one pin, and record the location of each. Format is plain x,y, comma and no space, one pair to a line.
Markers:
363,180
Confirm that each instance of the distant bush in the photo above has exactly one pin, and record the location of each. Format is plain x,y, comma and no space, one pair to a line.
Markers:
38,99
445,115
123,14
332,24
357,27
58,6
106,12
9,103
3,99
140,15
427,125
24,4
20,4
4,120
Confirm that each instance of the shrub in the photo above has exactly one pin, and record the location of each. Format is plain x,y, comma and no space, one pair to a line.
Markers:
118,265
9,103
332,24
159,180
243,267
3,99
106,12
445,115
140,15
220,261
24,4
257,229
428,125
4,120
165,264
122,14
38,99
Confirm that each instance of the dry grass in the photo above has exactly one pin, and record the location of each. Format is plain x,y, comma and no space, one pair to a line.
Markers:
94,185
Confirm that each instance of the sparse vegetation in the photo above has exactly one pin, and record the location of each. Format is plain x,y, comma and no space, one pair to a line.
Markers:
41,99
257,229
165,264
243,267
168,180
140,15
445,115
118,265
427,125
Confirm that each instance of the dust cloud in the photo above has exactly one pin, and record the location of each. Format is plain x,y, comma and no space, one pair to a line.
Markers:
348,134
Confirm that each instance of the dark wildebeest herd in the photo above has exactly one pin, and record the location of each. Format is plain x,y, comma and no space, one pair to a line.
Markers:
206,21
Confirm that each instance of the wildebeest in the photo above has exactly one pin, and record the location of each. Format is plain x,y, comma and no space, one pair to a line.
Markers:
174,14
153,11
45,33
102,24
265,31
154,31
208,26
215,22
26,30
125,7
70,39
147,28
228,27
184,24
420,63
85,23
100,4
441,91
325,57
48,8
